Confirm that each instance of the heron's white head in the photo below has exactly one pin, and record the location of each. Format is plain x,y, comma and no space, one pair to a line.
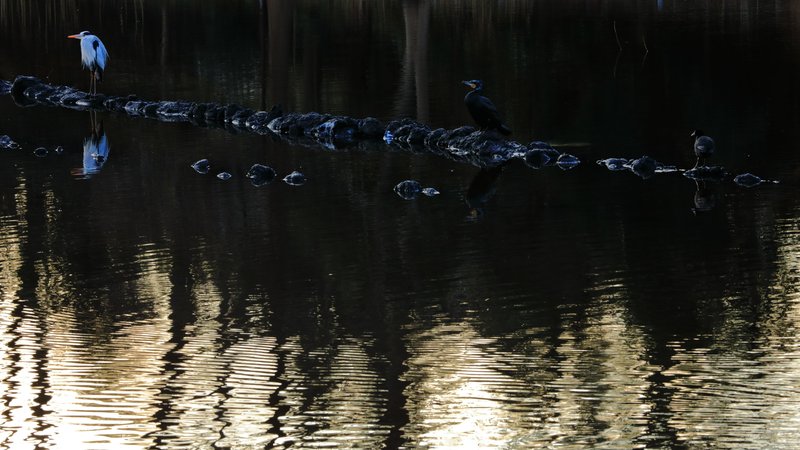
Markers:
80,35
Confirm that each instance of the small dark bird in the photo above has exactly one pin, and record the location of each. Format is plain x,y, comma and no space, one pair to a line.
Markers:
703,146
482,109
93,57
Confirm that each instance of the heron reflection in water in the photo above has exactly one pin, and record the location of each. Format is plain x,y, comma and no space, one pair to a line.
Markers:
95,151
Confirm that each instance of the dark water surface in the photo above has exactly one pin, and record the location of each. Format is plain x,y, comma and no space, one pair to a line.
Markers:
143,305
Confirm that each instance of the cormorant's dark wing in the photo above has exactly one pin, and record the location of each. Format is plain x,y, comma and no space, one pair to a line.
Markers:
491,116
488,110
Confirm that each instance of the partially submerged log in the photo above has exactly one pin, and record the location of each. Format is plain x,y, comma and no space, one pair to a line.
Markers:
484,149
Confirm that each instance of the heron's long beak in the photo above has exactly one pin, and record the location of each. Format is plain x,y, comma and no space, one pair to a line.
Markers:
74,36
471,85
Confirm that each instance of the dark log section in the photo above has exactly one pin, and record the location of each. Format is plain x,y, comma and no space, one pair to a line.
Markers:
465,144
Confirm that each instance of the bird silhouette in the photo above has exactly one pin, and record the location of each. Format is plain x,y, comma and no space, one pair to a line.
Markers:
482,109
703,146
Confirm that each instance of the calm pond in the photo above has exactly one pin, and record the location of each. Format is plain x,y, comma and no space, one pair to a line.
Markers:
143,305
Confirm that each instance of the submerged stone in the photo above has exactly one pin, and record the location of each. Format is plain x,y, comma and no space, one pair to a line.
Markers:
615,164
260,174
644,167
45,93
295,179
536,158
239,119
58,150
201,166
95,101
135,107
407,131
21,83
75,99
336,130
118,103
214,113
484,149
6,143
370,128
430,192
432,139
706,173
197,115
177,111
295,124
232,110
224,176
413,134
40,152
540,154
408,189
455,133
259,121
567,161
394,125
749,180
150,109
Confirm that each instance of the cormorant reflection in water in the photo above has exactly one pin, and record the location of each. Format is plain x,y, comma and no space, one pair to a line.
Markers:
481,190
95,151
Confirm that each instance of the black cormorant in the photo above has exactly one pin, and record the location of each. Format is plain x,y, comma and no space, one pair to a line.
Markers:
482,109
703,146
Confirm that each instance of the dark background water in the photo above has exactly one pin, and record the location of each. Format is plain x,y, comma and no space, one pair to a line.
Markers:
145,305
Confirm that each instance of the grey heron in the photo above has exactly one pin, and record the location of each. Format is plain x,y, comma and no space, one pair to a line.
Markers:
93,57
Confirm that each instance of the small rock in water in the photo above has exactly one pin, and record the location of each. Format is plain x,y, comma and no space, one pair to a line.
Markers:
58,150
541,154
567,161
701,173
537,158
260,174
614,164
40,152
295,179
645,166
408,189
7,143
430,192
224,176
749,180
388,137
201,166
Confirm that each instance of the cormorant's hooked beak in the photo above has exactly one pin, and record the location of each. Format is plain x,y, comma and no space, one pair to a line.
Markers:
74,36
470,84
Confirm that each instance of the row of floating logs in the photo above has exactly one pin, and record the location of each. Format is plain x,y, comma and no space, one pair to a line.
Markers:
483,149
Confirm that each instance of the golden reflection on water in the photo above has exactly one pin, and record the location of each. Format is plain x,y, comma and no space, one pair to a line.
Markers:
337,402
459,395
740,390
72,377
468,391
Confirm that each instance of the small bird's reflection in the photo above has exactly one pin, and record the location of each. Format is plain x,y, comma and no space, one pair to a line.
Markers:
705,199
95,152
481,189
